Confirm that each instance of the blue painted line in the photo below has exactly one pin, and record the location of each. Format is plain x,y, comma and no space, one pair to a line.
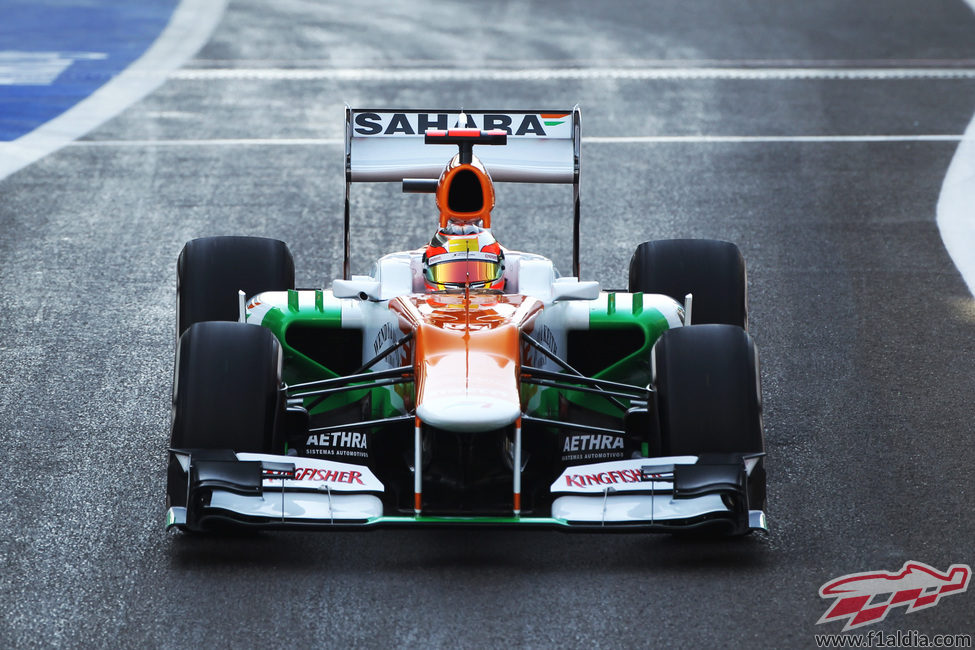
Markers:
55,53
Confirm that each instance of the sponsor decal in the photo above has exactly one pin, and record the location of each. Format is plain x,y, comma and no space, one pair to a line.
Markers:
592,442
338,443
384,336
464,244
544,336
554,119
461,255
256,310
866,598
592,447
319,474
593,455
612,477
621,475
348,477
530,124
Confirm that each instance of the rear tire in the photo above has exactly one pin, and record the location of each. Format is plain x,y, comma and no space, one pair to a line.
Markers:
708,396
211,270
713,271
226,393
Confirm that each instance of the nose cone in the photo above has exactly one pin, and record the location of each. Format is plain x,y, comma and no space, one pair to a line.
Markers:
467,369
467,353
468,413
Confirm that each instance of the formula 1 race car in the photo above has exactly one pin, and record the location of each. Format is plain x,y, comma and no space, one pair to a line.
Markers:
465,383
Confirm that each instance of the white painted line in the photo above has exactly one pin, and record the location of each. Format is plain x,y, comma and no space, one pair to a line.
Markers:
623,139
188,30
956,208
560,74
337,60
663,139
956,205
19,68
214,142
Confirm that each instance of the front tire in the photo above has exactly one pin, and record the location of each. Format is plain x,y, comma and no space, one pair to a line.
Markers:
227,393
708,396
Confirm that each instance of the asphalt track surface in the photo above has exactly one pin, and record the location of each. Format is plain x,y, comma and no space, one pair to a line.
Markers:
864,325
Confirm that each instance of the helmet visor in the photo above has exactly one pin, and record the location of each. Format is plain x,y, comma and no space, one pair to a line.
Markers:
465,270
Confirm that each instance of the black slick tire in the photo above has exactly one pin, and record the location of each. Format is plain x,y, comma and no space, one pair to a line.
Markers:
708,396
211,270
226,393
713,271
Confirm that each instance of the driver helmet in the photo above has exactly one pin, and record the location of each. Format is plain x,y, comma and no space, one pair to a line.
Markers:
463,254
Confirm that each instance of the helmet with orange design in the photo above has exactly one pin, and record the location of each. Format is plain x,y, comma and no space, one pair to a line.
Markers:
463,254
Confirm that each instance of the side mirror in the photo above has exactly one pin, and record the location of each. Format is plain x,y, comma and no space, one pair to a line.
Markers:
573,289
363,287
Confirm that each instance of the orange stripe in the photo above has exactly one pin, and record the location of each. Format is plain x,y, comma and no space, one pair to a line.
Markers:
552,116
517,501
417,501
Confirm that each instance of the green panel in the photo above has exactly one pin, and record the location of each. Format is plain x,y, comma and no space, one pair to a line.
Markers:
309,308
635,367
607,315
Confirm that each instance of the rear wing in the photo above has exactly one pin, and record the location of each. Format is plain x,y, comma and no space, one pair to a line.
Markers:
387,145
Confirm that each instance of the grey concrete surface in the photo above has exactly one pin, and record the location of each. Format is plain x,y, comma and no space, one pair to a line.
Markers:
864,326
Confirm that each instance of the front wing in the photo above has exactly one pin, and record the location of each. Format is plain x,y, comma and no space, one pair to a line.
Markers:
642,494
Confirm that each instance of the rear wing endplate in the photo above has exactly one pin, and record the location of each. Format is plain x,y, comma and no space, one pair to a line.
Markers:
386,145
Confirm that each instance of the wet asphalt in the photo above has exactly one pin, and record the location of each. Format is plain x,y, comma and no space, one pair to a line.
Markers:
864,325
